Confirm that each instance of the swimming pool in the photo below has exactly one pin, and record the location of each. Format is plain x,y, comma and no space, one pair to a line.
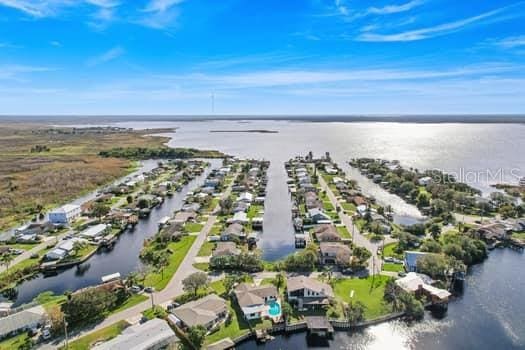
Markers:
274,309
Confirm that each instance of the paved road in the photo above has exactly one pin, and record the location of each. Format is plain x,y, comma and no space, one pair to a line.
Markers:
374,263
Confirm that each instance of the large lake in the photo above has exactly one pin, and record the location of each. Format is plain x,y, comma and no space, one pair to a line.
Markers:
491,314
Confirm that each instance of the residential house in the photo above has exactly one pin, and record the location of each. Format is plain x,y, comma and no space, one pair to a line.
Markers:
27,319
95,232
411,259
152,335
209,312
254,300
312,200
184,216
246,197
226,249
424,181
332,252
318,216
241,206
493,232
194,207
233,231
66,214
420,284
307,292
62,249
326,233
239,217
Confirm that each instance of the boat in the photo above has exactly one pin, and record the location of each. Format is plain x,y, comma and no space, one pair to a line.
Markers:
522,182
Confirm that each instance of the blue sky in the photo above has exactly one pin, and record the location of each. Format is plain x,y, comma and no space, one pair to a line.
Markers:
262,57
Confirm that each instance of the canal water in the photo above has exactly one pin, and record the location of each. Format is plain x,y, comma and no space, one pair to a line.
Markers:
123,258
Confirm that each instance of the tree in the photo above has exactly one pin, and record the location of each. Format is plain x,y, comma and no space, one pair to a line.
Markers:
359,256
6,260
355,312
129,199
194,282
431,246
77,246
391,294
196,335
279,280
286,309
435,231
413,307
55,316
433,265
162,260
100,209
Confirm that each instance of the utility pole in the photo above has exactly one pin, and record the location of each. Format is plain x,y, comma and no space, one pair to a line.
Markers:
152,303
65,333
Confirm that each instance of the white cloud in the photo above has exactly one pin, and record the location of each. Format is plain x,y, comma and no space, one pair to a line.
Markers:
511,42
430,32
107,56
37,8
16,71
395,8
161,5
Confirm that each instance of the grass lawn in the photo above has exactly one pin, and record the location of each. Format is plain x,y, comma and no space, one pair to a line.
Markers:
23,246
389,251
343,231
349,207
132,301
369,294
254,211
232,328
14,343
104,334
393,267
193,227
519,235
202,266
49,299
206,248
159,280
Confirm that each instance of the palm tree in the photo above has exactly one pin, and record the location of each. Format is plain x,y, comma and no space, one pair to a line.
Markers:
6,260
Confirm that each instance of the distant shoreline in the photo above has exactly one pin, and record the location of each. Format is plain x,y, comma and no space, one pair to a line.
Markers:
247,131
424,119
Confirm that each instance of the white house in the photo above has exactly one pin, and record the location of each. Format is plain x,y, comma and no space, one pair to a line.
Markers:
239,217
246,197
65,214
94,231
318,216
62,249
254,300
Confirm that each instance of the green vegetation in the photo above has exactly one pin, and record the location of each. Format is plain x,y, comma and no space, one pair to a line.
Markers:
104,334
18,342
159,280
369,291
391,250
155,312
206,248
33,182
343,232
202,266
393,267
192,227
159,153
131,301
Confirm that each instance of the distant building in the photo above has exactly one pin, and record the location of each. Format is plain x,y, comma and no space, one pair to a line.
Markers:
152,335
65,214
424,181
95,231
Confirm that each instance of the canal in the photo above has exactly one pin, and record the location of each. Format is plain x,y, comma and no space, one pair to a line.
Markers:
123,258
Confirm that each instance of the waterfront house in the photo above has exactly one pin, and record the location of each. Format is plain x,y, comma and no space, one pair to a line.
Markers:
184,216
318,216
326,233
254,300
209,312
493,232
312,200
307,292
62,249
233,231
95,232
151,335
334,252
246,197
300,240
420,284
28,319
226,249
411,258
239,217
66,214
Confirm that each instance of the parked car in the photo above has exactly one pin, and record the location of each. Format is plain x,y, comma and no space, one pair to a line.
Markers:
149,289
135,289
